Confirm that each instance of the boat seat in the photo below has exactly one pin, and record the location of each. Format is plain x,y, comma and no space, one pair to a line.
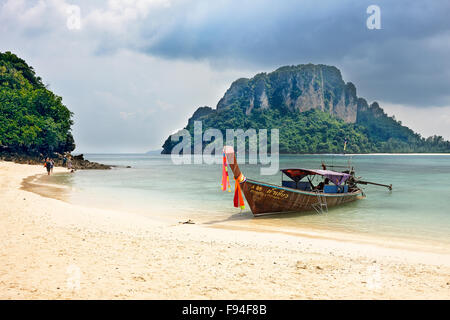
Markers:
301,185
330,189
335,189
343,189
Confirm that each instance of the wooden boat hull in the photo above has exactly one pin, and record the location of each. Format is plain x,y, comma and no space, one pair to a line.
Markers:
264,198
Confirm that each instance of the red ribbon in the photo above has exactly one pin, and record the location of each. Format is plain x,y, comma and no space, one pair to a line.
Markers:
238,198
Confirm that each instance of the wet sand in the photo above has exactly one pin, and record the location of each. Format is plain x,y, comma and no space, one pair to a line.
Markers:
37,184
52,249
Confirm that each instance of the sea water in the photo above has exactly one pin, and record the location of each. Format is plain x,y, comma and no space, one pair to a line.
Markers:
417,208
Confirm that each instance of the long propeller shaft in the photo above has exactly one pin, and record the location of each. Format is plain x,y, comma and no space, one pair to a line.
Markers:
389,186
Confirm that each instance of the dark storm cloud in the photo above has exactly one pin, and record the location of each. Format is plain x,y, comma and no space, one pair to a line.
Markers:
137,69
405,62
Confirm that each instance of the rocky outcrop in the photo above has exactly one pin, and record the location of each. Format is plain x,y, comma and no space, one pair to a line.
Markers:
78,162
289,89
200,112
369,112
295,88
314,110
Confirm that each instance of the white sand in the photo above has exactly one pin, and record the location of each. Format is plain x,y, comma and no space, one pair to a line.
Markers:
54,250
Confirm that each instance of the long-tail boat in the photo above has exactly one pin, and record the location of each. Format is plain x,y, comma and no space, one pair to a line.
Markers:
295,194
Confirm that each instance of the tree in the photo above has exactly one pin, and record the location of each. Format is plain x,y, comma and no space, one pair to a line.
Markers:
32,118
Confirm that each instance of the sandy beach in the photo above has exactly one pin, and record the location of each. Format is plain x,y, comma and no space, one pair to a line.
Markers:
51,249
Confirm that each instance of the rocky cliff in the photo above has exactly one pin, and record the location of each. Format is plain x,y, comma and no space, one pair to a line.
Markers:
315,112
295,88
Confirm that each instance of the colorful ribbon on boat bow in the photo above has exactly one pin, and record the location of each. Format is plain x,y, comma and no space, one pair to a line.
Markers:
225,179
238,199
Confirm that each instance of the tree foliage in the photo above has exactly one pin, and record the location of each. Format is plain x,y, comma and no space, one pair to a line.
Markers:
315,131
32,118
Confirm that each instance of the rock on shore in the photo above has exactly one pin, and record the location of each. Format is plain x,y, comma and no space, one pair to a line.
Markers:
78,161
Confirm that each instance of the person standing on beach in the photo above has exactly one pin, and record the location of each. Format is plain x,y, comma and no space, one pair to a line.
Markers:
69,165
64,161
47,165
52,164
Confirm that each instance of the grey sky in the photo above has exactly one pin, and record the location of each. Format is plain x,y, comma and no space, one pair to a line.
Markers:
136,70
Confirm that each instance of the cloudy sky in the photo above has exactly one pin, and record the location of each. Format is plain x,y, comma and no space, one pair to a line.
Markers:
133,71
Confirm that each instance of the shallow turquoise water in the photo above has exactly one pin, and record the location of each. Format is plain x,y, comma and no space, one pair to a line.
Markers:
418,207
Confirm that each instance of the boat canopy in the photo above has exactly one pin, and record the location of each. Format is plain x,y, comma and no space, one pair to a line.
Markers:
298,174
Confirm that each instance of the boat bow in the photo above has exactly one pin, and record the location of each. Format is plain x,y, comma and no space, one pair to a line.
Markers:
232,162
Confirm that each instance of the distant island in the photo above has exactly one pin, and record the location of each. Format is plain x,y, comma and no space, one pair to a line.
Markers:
315,111
153,152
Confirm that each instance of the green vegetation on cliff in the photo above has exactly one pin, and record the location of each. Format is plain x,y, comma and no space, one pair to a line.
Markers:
315,112
32,118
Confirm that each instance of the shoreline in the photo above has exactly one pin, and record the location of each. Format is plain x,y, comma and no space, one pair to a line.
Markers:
53,191
239,223
122,255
